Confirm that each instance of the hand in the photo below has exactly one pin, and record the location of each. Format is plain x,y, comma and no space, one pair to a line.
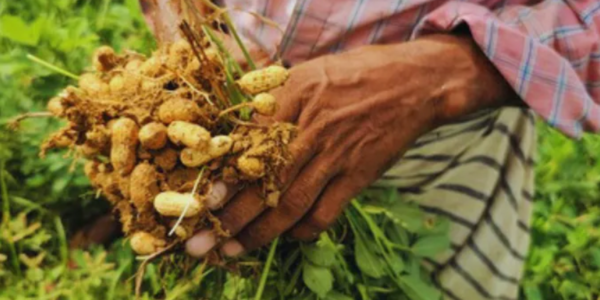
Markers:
357,113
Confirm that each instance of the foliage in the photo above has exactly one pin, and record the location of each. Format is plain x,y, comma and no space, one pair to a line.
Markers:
564,260
370,254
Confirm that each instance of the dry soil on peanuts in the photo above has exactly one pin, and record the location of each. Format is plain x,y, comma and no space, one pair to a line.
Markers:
134,119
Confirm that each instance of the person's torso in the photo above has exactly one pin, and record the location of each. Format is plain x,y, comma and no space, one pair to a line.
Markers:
298,30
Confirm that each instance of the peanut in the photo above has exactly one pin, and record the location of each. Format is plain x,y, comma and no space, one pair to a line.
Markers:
172,204
179,110
251,167
55,106
191,157
188,134
265,104
116,84
133,65
144,185
151,67
262,80
104,59
124,143
92,84
219,145
153,136
143,243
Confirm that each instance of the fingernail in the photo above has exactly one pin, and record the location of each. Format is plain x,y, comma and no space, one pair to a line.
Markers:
217,195
232,248
201,243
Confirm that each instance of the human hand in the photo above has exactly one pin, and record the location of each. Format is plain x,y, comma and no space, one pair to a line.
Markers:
357,113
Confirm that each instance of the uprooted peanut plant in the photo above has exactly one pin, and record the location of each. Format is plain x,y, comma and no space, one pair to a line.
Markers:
157,131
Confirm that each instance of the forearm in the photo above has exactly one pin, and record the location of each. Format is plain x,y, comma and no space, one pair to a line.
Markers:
448,75
475,85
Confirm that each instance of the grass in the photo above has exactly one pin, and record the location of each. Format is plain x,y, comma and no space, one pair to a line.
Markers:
43,202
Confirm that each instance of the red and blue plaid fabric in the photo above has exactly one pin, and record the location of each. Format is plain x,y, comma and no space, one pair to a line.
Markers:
549,51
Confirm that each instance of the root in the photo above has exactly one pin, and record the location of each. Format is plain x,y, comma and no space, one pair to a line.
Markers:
142,268
247,124
234,108
187,206
14,122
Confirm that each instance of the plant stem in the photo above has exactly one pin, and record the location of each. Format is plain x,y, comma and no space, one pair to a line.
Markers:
6,220
238,40
102,16
51,66
222,48
5,202
62,237
265,273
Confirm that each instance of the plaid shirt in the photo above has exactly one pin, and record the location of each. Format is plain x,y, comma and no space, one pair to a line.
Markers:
549,51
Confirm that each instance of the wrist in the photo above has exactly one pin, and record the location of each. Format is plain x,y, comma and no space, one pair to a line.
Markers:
469,81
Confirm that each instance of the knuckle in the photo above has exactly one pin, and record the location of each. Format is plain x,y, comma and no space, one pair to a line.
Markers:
296,202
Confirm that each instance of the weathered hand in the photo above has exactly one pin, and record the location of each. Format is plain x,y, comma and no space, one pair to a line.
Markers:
357,113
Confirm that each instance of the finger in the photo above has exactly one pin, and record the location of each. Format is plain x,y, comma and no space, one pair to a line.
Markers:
201,243
296,201
291,96
219,194
232,248
241,210
326,210
249,203
246,205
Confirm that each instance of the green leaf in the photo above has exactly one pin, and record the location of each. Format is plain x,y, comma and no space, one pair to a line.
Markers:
406,214
335,295
367,260
532,293
396,264
15,29
35,274
317,279
320,255
418,289
595,259
432,245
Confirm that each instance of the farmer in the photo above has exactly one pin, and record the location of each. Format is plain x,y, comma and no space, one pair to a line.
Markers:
434,98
